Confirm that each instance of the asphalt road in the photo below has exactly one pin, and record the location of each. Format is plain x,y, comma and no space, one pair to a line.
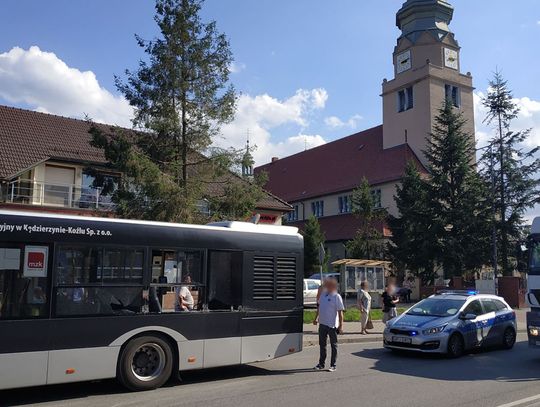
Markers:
367,375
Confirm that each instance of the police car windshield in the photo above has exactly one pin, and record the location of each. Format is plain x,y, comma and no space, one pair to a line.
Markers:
437,307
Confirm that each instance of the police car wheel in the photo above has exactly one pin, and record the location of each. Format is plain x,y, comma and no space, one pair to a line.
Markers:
509,338
456,346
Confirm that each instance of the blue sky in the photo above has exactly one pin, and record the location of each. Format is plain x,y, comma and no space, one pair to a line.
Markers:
309,71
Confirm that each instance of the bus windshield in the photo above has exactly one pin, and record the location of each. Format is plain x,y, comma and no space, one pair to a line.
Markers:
534,263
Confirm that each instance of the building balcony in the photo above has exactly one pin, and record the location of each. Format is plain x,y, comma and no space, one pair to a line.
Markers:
32,193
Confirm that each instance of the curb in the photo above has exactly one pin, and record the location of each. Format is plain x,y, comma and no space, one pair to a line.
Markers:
375,338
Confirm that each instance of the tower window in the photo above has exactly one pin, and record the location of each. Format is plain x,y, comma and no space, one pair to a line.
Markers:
453,95
405,99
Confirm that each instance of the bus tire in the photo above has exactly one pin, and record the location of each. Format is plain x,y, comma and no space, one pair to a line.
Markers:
509,339
146,363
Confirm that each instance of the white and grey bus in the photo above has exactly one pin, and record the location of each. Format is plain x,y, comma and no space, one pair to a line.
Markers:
86,298
533,285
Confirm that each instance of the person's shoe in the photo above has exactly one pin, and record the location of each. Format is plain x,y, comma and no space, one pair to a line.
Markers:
332,368
319,367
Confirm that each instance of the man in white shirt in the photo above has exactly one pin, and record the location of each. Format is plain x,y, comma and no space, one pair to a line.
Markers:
330,320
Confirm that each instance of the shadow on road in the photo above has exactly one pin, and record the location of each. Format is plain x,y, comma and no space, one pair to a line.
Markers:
58,393
519,365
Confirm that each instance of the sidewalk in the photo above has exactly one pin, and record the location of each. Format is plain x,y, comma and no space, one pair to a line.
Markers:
351,331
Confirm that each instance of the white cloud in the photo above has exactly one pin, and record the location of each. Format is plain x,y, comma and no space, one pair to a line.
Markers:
44,82
335,122
262,113
237,67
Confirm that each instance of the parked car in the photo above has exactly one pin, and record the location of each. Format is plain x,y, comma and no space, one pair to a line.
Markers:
453,322
311,287
317,276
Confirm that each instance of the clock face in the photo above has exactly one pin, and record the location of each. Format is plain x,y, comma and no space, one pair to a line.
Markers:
403,61
451,59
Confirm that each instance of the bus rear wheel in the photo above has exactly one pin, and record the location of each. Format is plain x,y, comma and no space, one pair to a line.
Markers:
146,363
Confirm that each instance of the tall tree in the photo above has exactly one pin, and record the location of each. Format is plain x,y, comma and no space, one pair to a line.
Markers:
368,241
181,96
511,168
413,245
313,238
457,195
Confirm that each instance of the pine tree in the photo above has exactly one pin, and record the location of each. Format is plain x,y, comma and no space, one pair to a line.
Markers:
457,196
368,241
180,95
512,169
313,238
413,245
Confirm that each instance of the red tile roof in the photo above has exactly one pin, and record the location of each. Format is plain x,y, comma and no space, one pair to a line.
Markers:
340,227
337,166
28,138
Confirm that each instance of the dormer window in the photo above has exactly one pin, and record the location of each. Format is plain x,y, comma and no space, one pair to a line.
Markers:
405,99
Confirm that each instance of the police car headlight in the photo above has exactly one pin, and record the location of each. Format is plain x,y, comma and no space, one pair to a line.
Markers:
432,331
534,331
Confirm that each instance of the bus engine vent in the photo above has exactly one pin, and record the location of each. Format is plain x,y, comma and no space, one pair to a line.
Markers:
286,278
263,278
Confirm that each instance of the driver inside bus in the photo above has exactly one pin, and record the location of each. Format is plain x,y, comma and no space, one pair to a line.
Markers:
184,298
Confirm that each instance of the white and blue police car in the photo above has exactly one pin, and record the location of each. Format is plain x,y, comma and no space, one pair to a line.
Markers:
453,322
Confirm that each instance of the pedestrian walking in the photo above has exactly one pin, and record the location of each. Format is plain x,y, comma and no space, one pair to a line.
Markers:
389,302
330,320
364,305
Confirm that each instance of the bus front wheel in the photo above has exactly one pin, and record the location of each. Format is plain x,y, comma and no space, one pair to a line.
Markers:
146,363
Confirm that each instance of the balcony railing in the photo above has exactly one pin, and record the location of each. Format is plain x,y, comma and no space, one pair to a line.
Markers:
56,195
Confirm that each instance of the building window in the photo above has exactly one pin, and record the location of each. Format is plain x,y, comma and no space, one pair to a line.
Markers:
453,95
376,197
405,99
317,208
293,215
345,204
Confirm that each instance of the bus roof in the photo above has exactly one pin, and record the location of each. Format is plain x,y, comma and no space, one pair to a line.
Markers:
228,225
535,229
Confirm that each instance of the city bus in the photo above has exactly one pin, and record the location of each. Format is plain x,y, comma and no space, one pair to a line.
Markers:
87,298
533,285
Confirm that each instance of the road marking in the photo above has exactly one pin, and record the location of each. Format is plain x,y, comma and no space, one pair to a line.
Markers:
522,401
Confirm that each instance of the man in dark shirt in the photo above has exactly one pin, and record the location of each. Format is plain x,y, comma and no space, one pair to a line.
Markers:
389,302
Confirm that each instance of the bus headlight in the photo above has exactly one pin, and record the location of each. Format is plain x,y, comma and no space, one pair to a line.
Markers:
534,331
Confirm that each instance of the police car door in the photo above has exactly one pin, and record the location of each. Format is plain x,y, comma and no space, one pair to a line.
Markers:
493,331
473,328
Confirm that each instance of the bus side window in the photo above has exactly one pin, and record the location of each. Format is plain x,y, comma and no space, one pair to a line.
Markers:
22,295
224,280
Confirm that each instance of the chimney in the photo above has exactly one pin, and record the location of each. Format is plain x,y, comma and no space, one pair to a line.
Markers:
274,159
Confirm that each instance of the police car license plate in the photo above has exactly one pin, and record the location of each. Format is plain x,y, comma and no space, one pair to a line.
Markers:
401,339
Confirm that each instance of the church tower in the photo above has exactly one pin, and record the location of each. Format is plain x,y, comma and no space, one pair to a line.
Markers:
247,162
427,71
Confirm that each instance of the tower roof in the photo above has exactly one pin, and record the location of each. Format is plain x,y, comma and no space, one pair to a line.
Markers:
418,16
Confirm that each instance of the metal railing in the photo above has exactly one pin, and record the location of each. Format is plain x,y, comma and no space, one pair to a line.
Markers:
28,192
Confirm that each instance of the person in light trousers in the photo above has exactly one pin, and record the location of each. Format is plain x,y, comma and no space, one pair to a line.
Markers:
330,320
364,305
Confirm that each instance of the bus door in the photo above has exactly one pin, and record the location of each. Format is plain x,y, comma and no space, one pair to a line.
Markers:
24,314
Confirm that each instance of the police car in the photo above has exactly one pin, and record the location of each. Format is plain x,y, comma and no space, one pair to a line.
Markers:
452,322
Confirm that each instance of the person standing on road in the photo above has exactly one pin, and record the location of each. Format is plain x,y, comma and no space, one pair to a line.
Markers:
389,302
330,320
364,305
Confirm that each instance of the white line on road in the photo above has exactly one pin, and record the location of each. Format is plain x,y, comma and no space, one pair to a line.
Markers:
520,402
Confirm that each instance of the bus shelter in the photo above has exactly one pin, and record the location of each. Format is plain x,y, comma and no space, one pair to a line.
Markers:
354,271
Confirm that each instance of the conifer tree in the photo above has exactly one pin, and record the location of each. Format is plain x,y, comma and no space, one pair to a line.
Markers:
512,169
457,196
368,241
313,238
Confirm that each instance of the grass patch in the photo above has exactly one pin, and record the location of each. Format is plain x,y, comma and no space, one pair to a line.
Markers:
351,315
